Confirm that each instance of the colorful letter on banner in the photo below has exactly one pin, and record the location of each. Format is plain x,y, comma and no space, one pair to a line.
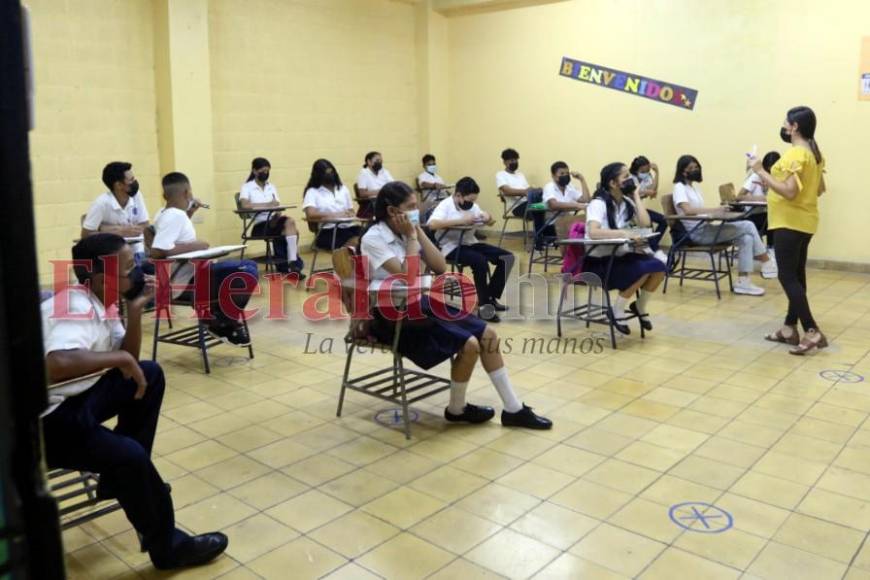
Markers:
629,83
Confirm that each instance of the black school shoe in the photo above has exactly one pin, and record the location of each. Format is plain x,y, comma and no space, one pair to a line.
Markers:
193,551
525,418
470,414
232,333
644,318
618,323
499,307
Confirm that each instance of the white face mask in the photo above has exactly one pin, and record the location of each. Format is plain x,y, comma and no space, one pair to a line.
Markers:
433,169
644,176
413,216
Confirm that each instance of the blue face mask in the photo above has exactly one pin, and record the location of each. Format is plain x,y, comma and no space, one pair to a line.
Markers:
413,216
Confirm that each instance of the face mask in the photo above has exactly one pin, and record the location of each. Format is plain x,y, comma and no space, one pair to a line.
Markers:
413,216
137,283
433,169
563,180
264,176
329,179
695,176
377,166
783,134
627,187
133,189
513,166
644,176
465,205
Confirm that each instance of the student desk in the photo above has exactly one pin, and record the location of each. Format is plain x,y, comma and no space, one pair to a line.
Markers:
249,219
316,231
455,288
539,238
590,312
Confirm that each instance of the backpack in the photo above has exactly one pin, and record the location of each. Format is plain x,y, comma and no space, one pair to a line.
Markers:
572,261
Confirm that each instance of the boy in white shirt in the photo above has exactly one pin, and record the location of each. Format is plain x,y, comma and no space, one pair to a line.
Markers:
460,209
429,181
120,210
83,335
372,177
513,187
561,196
175,234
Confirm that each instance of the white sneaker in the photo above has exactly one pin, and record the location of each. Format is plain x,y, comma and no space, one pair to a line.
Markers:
661,256
747,288
769,269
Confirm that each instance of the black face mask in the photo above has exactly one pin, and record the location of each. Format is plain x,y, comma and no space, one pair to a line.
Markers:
784,135
137,284
513,166
563,180
695,176
465,205
328,179
133,189
627,187
376,167
264,177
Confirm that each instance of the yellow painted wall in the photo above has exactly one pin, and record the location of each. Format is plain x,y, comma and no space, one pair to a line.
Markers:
296,80
750,59
94,104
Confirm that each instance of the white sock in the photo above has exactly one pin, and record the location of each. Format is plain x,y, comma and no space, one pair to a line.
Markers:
457,397
642,301
292,254
502,384
619,306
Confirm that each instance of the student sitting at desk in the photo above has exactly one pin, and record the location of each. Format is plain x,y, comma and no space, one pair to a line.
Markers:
372,177
608,214
327,198
755,189
689,201
514,188
82,335
460,209
429,180
174,234
391,238
561,196
120,210
259,193
646,175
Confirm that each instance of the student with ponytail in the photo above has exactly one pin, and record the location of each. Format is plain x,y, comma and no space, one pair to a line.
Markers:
617,204
795,181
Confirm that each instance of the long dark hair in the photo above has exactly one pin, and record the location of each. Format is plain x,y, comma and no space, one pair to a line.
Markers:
369,156
608,173
805,119
637,163
393,194
683,162
257,164
318,172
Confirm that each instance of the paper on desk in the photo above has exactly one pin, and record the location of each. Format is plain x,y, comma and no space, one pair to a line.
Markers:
212,252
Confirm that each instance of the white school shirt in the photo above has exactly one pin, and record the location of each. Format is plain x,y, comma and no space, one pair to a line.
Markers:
427,177
515,180
552,191
687,194
596,211
447,210
76,330
252,192
324,200
172,226
378,245
368,180
754,185
105,210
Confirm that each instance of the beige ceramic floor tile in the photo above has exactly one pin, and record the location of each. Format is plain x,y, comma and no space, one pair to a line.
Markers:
455,530
511,554
622,476
190,489
521,445
647,519
405,556
790,467
318,469
268,490
809,534
668,488
362,451
354,534
569,460
233,472
675,563
591,499
771,490
358,487
214,513
256,536
753,516
836,508
732,548
249,438
707,472
554,525
780,561
570,566
308,511
730,452
281,453
536,480
487,463
306,559
201,455
650,456
351,572
619,550
846,482
448,484
464,570
403,507
95,561
498,503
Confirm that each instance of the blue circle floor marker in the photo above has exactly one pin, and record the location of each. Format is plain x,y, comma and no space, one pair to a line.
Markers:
838,376
697,516
393,417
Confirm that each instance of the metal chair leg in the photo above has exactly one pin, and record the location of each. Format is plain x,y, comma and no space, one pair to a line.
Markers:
202,346
715,275
503,228
345,378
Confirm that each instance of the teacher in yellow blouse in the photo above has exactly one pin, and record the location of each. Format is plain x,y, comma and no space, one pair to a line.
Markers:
796,181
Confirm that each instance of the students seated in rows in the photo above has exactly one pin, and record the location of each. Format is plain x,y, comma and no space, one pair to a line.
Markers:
429,180
461,209
689,201
512,185
372,177
326,198
386,245
755,189
259,193
617,205
174,234
560,195
646,175
120,210
83,334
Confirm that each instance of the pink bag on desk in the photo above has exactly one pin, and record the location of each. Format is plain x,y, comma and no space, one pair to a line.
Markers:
572,261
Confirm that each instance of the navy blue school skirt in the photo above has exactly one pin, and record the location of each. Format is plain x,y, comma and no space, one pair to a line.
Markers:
324,237
626,270
430,341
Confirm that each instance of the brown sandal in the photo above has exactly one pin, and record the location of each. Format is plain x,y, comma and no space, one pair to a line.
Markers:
778,336
807,346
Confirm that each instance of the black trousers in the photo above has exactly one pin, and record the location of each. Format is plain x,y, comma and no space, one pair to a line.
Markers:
660,225
478,257
791,259
76,439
